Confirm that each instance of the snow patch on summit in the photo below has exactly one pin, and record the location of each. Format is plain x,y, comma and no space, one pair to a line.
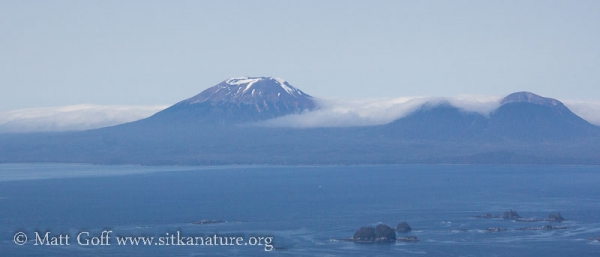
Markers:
248,82
241,81
286,86
253,90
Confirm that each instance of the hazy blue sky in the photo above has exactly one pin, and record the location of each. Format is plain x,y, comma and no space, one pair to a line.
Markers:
55,53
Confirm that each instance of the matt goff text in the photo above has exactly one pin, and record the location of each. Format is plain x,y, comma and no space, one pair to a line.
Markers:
107,238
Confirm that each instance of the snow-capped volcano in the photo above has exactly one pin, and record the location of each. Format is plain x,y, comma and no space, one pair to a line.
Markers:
242,99
261,92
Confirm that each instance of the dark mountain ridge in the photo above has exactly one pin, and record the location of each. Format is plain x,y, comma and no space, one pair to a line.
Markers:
526,116
521,116
211,128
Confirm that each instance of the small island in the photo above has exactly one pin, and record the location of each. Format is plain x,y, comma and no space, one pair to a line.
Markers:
547,227
381,233
595,239
206,221
555,217
511,215
551,218
487,216
403,227
495,229
409,239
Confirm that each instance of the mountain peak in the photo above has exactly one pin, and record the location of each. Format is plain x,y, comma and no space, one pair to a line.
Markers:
248,82
528,97
251,90
238,100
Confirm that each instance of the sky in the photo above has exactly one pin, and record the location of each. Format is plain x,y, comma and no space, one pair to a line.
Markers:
58,53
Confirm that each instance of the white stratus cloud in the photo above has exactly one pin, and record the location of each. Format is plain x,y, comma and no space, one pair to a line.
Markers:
332,113
347,113
587,110
70,118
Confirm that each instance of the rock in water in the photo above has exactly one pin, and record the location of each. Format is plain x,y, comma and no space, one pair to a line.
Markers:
385,233
495,229
486,216
555,217
381,233
403,227
365,234
206,221
408,239
513,215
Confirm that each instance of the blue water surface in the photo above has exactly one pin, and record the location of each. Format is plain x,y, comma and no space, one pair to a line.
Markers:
307,210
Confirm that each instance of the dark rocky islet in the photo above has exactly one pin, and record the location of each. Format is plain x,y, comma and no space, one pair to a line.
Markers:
409,239
207,221
495,229
381,233
403,227
511,215
546,227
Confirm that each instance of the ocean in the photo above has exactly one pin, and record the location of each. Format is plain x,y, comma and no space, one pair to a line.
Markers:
295,210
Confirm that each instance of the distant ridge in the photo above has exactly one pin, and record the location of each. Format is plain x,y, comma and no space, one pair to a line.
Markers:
527,116
212,128
528,97
522,116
